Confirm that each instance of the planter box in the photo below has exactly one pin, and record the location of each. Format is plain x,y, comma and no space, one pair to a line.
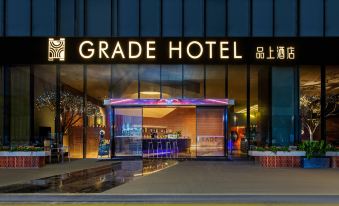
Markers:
279,159
321,162
279,153
334,156
23,159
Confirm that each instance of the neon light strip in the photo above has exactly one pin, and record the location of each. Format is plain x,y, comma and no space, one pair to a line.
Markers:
168,102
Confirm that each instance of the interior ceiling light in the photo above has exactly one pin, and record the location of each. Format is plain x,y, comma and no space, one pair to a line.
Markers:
253,108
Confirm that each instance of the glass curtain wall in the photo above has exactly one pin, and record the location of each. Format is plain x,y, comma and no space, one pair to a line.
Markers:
20,105
210,131
237,122
285,18
193,81
98,115
283,103
2,79
128,131
44,104
332,105
149,81
310,97
72,108
259,105
171,81
215,81
125,81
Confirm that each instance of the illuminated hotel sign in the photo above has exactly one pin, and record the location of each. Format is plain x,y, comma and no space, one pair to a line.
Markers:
275,51
171,50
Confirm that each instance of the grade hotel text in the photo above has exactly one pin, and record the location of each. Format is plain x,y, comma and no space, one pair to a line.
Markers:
172,49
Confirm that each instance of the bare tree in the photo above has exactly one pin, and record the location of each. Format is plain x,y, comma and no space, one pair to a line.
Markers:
71,107
311,111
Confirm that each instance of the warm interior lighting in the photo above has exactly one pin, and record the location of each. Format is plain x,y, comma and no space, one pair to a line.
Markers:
157,112
253,108
150,93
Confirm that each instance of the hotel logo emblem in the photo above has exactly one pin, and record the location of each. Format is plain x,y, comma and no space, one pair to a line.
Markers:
56,49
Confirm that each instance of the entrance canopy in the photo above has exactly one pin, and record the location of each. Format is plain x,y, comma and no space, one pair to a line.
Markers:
169,102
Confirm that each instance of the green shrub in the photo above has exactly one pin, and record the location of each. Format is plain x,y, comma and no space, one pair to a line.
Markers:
314,148
22,149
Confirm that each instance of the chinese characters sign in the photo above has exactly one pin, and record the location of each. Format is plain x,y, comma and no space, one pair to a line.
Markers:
278,52
272,51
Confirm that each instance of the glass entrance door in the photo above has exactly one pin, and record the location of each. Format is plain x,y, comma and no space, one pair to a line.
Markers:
128,131
174,132
211,131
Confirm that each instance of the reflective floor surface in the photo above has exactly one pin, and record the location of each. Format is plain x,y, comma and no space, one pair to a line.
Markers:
91,180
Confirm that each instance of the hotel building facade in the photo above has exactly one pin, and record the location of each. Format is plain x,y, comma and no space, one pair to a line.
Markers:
274,78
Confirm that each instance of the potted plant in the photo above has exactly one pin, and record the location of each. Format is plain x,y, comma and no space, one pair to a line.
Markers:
315,154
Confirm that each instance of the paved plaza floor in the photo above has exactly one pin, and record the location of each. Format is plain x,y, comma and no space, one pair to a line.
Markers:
186,182
237,177
14,176
198,177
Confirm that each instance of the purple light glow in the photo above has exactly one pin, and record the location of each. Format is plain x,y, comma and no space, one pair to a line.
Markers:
168,102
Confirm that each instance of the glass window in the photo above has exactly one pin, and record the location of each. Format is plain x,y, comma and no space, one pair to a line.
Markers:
44,99
285,17
98,115
310,102
1,18
67,24
238,17
98,18
128,18
237,90
149,81
311,17
215,81
262,17
20,130
332,16
259,105
193,18
193,81
1,105
172,17
150,18
283,106
215,17
98,82
166,135
125,81
128,131
71,108
210,132
18,18
43,17
171,81
79,19
332,105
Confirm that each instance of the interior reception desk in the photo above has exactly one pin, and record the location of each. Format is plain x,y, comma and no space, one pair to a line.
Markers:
183,144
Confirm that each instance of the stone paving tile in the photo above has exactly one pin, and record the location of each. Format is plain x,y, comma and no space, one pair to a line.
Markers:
13,176
209,177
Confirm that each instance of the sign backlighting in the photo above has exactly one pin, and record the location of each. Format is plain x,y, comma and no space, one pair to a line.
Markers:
111,50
